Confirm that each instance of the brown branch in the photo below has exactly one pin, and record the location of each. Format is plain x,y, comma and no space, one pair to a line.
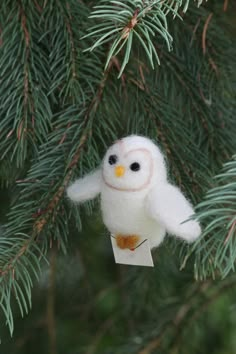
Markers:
21,130
73,54
207,101
132,23
194,31
10,266
51,323
205,32
230,233
226,3
155,343
99,334
214,66
23,24
39,8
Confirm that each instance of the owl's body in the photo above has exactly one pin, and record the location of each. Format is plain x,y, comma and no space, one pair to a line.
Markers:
125,214
136,197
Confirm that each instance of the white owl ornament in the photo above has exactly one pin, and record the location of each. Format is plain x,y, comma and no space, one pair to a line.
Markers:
138,203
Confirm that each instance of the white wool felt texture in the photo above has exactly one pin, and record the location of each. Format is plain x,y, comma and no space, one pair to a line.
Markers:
140,202
86,188
124,213
168,206
135,149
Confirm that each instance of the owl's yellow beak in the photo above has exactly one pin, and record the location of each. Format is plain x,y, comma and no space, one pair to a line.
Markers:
119,171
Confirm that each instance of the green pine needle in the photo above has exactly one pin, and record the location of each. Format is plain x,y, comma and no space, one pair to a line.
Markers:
126,22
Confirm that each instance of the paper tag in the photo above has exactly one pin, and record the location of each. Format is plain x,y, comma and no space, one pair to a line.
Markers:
140,256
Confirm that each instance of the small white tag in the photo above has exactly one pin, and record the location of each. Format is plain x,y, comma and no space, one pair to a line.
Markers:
140,256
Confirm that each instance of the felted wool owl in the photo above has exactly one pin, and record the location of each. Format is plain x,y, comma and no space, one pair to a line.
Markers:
137,201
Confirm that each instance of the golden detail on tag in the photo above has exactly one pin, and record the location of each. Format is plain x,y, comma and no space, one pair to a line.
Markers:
124,242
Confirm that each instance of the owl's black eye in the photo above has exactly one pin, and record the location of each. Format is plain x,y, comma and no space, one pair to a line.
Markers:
135,166
112,159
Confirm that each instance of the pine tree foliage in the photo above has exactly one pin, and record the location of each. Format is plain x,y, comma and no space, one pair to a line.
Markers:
138,19
60,110
215,251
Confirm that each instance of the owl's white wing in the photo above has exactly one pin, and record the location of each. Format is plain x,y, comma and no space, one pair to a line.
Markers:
85,188
168,206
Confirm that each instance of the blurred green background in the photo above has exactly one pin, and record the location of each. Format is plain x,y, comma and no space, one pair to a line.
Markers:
85,303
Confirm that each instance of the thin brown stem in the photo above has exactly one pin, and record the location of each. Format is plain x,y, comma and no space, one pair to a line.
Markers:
230,233
225,6
205,32
21,130
51,323
10,266
99,334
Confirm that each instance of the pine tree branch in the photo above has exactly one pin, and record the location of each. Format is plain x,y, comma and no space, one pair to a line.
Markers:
139,20
177,320
46,215
91,111
25,113
198,312
214,252
187,315
70,71
10,266
53,204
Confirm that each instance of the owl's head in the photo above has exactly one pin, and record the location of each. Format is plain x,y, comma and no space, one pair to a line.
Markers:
133,163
